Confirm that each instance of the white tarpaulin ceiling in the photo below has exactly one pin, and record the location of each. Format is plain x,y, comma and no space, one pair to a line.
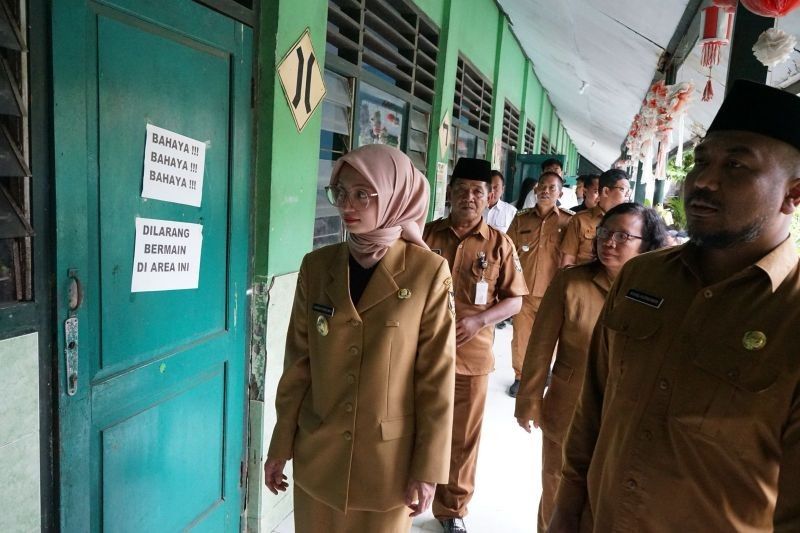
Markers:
614,47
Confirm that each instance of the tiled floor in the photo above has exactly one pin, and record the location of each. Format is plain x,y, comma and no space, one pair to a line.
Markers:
508,484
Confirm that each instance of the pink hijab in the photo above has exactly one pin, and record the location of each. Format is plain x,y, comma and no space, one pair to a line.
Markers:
402,200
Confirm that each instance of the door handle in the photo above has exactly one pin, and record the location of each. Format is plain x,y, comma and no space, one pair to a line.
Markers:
74,301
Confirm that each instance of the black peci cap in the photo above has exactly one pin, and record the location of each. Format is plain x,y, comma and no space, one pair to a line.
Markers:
469,168
759,108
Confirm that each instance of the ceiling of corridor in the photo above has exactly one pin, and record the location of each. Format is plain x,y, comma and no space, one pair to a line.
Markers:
613,47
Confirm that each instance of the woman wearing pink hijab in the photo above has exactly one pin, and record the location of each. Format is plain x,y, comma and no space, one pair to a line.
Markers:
365,401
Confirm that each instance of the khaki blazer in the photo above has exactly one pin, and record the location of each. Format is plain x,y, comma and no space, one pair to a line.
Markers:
567,316
368,404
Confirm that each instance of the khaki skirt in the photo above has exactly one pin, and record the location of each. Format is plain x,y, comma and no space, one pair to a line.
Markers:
313,516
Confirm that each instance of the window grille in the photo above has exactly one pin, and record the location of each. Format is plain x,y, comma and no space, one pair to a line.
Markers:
545,148
472,104
391,40
530,136
15,177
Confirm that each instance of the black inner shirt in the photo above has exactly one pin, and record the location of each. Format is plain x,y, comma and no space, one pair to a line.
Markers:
359,277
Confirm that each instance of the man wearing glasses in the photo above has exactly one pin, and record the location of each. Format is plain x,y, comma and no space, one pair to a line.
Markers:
537,234
488,286
615,188
689,413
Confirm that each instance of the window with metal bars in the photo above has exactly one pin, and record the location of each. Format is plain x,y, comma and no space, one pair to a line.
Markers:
15,177
545,148
509,143
391,40
335,141
472,104
530,137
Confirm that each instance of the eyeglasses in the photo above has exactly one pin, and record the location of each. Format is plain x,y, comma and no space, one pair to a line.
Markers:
625,190
618,237
358,198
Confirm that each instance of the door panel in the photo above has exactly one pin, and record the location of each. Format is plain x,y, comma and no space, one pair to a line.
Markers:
153,438
131,88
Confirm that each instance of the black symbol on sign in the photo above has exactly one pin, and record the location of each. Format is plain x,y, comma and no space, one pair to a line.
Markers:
300,78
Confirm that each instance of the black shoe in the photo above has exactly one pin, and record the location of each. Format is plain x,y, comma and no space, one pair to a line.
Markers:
453,525
513,389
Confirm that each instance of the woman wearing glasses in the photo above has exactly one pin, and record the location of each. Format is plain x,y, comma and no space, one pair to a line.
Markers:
567,315
365,402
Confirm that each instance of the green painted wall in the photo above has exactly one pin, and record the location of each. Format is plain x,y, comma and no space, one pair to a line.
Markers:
512,60
476,31
433,8
286,160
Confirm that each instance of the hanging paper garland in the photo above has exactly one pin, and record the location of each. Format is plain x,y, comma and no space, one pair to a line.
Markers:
771,8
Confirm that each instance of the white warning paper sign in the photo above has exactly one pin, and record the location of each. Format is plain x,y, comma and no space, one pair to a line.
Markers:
166,255
173,167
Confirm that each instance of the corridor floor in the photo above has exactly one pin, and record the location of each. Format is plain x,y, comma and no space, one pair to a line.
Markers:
508,483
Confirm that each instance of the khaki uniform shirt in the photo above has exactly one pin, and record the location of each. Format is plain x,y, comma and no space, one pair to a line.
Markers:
566,318
689,416
503,274
579,234
365,402
537,240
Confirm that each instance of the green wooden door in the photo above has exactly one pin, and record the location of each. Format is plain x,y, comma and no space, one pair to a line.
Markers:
153,437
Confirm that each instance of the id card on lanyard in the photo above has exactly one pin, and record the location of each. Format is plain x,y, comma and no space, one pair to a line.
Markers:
482,287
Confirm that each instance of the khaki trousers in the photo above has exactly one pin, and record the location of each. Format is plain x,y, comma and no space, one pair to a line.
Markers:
470,398
551,475
523,322
313,516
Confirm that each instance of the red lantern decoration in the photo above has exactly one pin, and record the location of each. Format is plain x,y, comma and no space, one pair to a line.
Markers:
729,5
771,8
716,26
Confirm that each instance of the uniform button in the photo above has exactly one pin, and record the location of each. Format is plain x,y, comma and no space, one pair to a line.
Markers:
353,322
647,434
663,384
351,379
733,374
354,350
348,407
348,436
460,246
707,293
631,484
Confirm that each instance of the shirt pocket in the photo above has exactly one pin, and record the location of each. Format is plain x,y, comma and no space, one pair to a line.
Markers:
726,396
490,273
559,402
630,344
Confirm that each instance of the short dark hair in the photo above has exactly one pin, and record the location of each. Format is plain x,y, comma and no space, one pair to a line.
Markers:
588,179
609,178
543,175
552,161
654,231
499,175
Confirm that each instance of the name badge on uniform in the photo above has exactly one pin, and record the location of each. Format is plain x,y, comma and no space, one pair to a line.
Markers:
481,292
323,309
643,298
